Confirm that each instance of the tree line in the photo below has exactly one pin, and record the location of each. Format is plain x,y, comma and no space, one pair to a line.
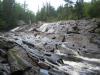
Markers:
71,10
12,12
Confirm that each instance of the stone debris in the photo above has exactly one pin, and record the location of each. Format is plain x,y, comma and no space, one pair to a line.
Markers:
60,48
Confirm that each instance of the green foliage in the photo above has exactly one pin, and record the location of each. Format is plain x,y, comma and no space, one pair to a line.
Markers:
86,9
2,25
71,10
11,12
47,13
94,9
79,9
22,14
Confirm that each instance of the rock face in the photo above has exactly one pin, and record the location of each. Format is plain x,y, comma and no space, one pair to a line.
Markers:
60,48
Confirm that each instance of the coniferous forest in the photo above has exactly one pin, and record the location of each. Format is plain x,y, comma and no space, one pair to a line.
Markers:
12,12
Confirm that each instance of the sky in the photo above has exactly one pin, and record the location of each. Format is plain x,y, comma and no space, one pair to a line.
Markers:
35,5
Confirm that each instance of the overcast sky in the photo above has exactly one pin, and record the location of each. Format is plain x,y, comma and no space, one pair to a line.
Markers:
34,5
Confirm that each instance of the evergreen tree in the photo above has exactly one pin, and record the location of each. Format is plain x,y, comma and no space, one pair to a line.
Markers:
47,13
9,12
60,13
94,9
68,9
0,8
79,9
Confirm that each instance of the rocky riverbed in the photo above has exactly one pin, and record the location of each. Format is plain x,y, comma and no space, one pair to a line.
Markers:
59,48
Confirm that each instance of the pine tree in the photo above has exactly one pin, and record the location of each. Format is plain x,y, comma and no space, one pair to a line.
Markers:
9,12
79,8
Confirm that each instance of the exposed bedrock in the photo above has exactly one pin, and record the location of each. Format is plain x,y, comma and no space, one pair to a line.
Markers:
59,48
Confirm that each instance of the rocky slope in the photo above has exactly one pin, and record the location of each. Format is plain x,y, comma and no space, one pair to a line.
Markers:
60,48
